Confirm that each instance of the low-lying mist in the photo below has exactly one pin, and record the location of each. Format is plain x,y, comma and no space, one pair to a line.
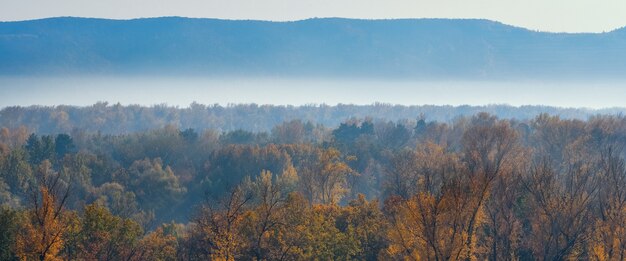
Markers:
182,91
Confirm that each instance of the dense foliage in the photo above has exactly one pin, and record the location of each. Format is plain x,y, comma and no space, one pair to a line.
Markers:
478,187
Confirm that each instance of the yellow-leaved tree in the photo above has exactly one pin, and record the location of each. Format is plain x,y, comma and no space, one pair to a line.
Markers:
41,237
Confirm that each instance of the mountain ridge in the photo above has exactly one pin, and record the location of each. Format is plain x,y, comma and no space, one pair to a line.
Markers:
431,48
307,19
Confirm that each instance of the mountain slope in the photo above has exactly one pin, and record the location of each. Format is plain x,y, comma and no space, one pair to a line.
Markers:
411,48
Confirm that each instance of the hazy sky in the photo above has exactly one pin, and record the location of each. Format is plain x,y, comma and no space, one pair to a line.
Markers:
545,15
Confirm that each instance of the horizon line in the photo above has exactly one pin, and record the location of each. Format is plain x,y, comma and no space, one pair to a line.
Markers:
315,18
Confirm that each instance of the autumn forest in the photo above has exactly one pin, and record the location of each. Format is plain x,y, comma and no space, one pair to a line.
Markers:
479,187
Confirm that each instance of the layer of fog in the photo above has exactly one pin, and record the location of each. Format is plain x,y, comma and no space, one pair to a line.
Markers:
183,91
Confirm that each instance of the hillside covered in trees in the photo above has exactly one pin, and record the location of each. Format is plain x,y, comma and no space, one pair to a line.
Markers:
325,47
468,187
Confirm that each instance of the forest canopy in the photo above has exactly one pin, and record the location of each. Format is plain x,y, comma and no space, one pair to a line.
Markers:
135,183
123,119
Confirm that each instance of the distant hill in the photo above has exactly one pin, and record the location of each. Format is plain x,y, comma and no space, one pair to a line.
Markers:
329,47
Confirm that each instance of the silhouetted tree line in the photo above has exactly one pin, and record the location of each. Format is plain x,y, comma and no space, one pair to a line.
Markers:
119,119
478,187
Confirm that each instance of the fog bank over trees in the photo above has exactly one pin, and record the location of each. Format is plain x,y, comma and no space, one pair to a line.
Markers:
180,90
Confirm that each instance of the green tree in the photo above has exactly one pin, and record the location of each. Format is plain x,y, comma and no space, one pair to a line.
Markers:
17,173
63,144
9,226
40,149
154,185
